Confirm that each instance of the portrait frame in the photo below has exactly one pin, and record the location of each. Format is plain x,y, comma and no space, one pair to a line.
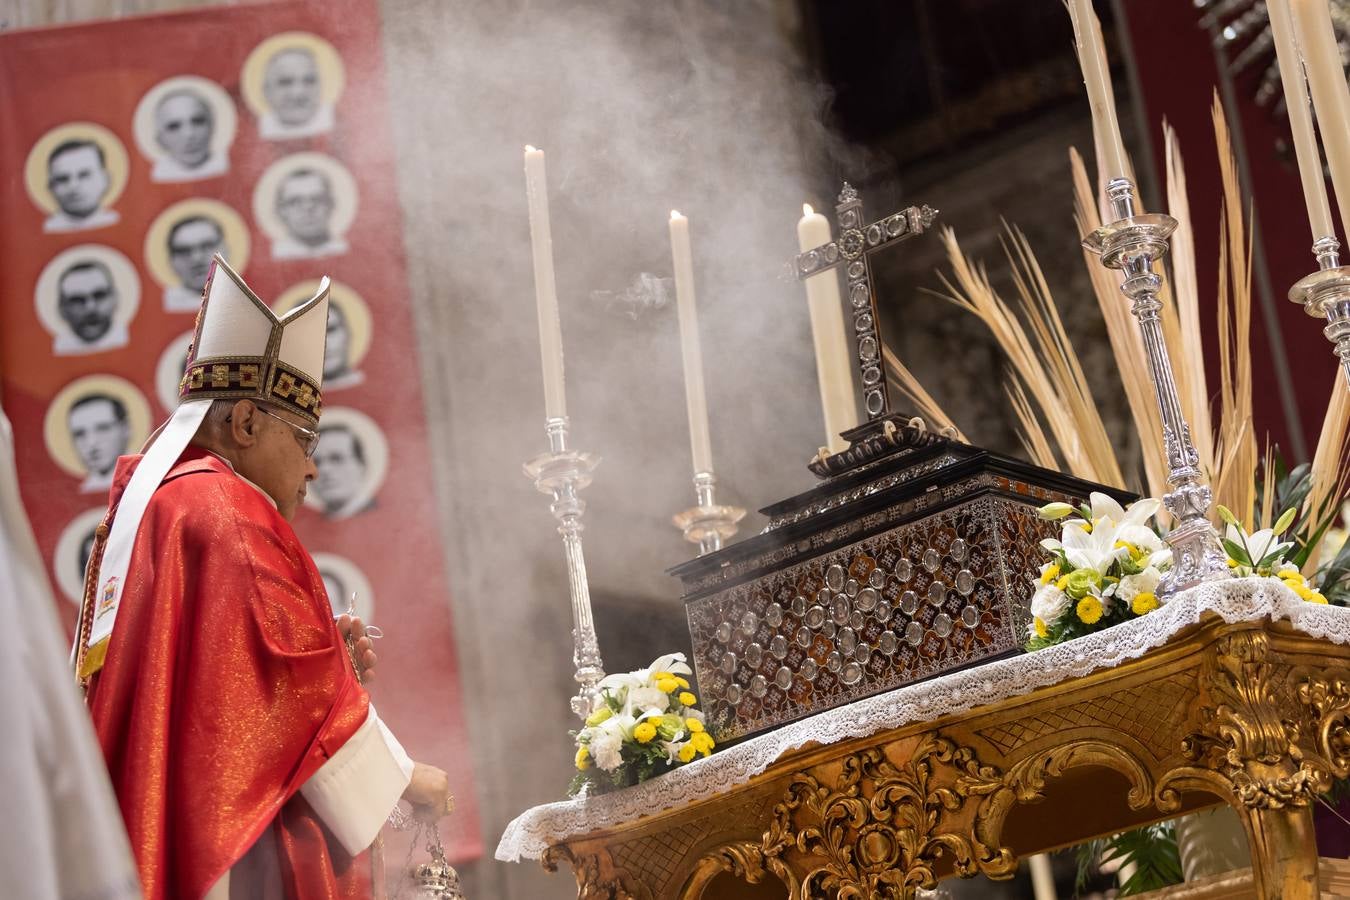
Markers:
332,83
237,249
353,580
356,312
56,430
115,157
66,556
226,120
345,202
374,450
46,299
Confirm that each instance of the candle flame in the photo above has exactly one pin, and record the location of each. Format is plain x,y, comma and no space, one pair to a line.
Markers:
530,148
807,210
675,214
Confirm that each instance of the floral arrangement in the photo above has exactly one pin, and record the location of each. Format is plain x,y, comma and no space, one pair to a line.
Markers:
642,724
1263,553
1104,569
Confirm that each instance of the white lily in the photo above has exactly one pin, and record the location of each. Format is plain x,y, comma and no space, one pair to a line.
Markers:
1259,544
1094,549
646,699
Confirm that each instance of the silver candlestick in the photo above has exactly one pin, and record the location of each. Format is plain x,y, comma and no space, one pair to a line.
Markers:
1325,294
708,524
1132,244
562,473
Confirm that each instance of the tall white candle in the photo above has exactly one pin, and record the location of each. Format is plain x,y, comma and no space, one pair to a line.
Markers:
1300,118
545,288
833,368
690,349
1087,35
1317,41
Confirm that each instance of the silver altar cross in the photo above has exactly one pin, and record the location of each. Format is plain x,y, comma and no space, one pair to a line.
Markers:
852,249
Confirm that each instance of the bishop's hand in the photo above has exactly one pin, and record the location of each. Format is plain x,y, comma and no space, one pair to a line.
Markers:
359,644
429,792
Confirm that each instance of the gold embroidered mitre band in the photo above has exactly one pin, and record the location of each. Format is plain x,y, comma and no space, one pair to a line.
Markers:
242,350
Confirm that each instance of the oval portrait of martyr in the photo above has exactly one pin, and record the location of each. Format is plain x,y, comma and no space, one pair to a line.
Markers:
349,331
352,459
74,174
169,371
347,586
305,203
184,126
181,243
73,550
90,423
86,298
291,82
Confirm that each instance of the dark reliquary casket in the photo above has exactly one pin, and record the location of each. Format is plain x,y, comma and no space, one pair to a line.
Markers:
914,558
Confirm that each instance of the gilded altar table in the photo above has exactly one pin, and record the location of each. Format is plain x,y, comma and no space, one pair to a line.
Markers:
1237,693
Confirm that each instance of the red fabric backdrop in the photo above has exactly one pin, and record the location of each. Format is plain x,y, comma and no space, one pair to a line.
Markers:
98,73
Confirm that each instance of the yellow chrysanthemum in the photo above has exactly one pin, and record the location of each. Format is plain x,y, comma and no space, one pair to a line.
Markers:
1039,624
583,758
1143,602
1050,574
1303,591
1317,597
694,725
687,752
681,682
644,733
1089,610
1233,563
667,685
687,699
657,676
1062,583
702,742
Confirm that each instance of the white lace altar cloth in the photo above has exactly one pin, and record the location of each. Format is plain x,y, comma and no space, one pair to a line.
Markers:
1240,600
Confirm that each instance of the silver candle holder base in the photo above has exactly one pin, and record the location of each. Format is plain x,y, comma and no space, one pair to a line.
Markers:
708,524
1325,294
562,473
1132,244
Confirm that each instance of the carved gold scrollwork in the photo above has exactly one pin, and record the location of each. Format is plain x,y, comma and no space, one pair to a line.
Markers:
880,830
1328,699
1247,736
597,876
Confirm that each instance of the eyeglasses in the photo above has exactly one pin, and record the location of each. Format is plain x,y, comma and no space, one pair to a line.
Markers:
307,437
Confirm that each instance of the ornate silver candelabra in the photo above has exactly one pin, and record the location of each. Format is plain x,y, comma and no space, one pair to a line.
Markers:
562,473
708,524
1132,244
1325,294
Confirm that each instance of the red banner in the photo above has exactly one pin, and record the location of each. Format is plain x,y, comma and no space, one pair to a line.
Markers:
133,151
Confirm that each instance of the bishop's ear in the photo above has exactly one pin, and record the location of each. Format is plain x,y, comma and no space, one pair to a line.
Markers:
243,423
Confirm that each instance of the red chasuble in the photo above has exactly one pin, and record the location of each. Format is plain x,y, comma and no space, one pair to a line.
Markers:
226,686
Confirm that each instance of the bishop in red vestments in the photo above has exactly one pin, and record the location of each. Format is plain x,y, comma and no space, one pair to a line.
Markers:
245,754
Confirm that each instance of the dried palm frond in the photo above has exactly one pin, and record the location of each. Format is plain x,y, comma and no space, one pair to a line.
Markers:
929,409
1029,432
1042,360
1330,477
1236,452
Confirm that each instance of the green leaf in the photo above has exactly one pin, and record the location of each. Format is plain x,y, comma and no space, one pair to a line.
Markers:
1236,551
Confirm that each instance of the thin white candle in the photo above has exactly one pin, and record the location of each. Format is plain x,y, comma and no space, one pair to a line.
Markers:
833,368
1317,41
545,288
1300,118
690,350
1087,35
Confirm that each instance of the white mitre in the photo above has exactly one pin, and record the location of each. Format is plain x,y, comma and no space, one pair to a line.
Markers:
240,350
